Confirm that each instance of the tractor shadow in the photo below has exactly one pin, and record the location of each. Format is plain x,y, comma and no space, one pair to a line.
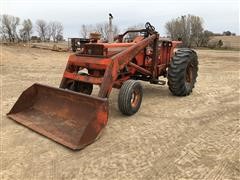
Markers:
151,94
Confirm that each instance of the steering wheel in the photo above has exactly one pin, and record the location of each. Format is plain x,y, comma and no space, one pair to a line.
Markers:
149,27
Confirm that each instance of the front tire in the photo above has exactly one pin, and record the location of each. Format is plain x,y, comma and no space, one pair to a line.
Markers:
130,97
183,72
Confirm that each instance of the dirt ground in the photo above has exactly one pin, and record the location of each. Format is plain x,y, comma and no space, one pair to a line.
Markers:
194,137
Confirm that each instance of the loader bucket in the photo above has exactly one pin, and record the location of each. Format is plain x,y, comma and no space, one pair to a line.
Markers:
72,119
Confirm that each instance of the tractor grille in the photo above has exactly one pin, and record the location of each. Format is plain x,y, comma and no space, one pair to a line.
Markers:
94,49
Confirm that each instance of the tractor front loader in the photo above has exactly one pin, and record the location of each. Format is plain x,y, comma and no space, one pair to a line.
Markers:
71,116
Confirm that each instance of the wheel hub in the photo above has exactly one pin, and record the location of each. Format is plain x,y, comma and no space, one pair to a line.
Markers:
135,98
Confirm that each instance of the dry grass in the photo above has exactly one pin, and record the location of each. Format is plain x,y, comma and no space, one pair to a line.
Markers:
231,42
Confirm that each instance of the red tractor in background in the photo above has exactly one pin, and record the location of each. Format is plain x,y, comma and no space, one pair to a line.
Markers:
71,116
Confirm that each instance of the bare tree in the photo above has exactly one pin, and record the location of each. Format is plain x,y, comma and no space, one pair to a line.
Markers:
84,31
196,30
59,34
2,33
42,29
187,28
26,31
170,28
132,35
55,30
48,34
116,30
205,38
102,28
9,26
51,31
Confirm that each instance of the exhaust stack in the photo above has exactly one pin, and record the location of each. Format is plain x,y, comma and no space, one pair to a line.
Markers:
110,30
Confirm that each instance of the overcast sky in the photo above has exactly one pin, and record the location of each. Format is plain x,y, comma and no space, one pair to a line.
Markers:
218,15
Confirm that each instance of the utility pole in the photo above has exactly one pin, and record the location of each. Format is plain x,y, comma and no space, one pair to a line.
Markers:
110,30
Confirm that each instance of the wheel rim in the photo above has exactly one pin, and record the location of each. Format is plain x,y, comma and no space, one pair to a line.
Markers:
135,98
189,74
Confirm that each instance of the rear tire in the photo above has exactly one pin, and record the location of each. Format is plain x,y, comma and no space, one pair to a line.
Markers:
183,72
130,97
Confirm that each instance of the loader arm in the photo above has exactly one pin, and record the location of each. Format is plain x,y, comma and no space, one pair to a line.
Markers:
120,60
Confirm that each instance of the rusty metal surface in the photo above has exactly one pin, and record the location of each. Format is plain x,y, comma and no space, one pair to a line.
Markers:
119,61
82,78
94,49
91,62
127,55
74,119
140,69
69,118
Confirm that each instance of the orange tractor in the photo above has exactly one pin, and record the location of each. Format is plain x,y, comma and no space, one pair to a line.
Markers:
70,116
